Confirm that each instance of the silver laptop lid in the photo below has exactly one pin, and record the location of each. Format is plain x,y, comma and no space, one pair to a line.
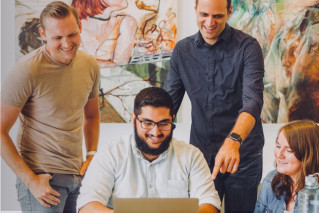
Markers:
155,205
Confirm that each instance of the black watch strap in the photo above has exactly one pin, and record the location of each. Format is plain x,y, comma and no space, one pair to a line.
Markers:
234,136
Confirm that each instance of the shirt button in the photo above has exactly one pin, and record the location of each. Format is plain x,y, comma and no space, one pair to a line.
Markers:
150,186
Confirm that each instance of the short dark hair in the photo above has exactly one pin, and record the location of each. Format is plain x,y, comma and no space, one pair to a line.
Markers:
228,4
153,96
59,10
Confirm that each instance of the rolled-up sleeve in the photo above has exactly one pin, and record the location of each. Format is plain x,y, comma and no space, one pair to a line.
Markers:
201,185
253,74
98,182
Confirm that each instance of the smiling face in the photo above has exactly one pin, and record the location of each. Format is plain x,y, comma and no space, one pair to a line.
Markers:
286,161
212,16
62,36
155,137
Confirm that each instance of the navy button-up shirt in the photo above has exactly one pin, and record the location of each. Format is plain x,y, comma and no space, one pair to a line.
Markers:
221,80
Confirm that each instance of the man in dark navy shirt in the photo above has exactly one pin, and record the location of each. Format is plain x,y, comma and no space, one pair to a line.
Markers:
222,70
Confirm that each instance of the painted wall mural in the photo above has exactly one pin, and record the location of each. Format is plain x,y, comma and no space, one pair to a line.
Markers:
288,31
132,40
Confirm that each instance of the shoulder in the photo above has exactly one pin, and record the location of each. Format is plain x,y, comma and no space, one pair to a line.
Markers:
113,151
86,61
266,188
267,200
29,65
187,41
268,179
242,40
182,145
83,56
270,176
183,149
33,58
241,36
120,145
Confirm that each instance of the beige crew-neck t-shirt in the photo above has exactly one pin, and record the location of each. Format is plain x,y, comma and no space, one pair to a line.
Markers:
52,97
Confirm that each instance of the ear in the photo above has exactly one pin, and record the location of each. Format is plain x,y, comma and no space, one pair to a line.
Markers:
133,118
80,26
230,10
173,127
42,33
195,7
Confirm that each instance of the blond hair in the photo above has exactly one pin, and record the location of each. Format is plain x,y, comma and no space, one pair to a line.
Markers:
59,10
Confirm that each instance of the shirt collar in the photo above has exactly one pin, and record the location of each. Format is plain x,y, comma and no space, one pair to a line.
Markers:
53,60
225,35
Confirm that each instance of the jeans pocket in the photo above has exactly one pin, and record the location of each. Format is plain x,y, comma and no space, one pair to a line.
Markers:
255,155
248,174
24,195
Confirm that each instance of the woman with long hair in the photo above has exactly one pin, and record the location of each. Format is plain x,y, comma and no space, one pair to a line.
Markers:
106,35
297,155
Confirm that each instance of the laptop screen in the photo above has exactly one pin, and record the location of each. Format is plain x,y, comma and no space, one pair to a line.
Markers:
155,205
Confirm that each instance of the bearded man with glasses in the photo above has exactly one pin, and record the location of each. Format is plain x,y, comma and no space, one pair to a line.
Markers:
149,163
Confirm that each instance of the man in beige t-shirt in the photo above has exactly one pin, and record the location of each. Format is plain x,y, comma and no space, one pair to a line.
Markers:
54,92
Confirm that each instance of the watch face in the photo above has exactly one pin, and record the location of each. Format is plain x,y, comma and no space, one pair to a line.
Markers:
235,137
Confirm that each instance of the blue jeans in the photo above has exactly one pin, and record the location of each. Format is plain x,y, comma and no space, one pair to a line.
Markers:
240,188
67,185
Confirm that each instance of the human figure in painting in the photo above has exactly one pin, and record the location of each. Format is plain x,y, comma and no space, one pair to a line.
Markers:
107,36
292,76
221,69
54,91
29,36
156,35
297,156
301,61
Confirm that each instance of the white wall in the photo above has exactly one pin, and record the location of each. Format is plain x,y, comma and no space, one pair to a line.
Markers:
186,26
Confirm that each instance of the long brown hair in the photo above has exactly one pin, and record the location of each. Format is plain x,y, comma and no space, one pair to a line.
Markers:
303,139
87,8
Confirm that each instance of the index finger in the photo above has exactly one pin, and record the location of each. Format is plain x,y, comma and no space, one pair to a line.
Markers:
216,169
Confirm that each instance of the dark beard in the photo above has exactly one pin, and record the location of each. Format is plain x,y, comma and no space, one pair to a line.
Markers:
143,147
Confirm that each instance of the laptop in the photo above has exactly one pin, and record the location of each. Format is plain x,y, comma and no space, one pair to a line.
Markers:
155,205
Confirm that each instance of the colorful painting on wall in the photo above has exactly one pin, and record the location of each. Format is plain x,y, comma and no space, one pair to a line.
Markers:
132,40
288,32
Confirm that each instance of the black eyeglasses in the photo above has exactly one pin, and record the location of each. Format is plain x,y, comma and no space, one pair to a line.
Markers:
162,125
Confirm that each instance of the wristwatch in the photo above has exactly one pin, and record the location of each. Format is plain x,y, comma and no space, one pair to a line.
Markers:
234,136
